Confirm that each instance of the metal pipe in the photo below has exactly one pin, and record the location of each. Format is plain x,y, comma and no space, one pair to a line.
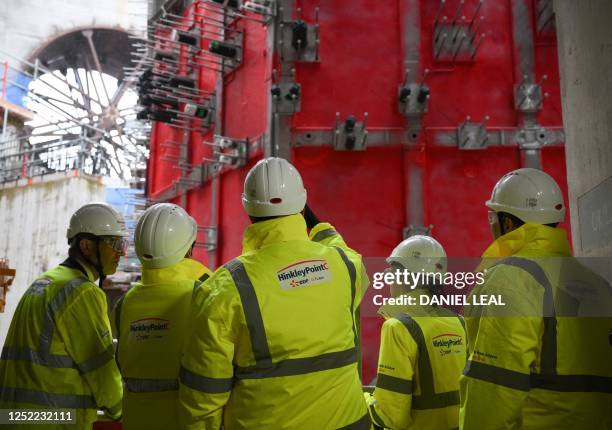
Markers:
475,14
46,71
439,12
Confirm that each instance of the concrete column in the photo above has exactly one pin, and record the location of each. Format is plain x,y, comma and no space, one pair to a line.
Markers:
585,59
33,221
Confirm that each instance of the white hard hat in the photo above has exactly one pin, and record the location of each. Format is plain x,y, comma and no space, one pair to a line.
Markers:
273,187
98,219
164,234
420,253
530,195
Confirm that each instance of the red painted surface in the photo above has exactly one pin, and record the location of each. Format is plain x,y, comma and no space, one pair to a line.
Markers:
363,193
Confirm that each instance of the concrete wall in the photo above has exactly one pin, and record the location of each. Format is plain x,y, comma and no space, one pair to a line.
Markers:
33,223
26,24
585,60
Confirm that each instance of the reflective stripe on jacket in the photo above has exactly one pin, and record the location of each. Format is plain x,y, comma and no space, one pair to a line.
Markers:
545,368
275,329
151,321
58,352
420,361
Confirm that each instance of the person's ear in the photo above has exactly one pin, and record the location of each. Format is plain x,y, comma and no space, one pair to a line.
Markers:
85,246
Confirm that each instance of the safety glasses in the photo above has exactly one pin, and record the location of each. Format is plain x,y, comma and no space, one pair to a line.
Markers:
117,244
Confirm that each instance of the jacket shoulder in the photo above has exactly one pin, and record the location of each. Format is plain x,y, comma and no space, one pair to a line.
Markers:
220,283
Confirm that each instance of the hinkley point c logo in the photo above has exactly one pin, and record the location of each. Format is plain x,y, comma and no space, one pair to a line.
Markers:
448,343
305,273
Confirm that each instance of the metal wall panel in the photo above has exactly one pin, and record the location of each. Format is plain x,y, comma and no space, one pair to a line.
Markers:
371,196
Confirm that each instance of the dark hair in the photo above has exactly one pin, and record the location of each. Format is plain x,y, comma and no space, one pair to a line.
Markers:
255,219
517,221
75,249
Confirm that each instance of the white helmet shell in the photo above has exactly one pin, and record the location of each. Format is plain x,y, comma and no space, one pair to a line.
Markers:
420,253
98,219
163,235
530,195
273,187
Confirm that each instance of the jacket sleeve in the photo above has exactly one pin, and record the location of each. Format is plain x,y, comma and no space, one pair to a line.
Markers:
391,401
114,314
503,352
86,331
326,234
206,374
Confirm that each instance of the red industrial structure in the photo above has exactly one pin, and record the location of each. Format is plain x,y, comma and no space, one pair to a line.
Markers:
400,115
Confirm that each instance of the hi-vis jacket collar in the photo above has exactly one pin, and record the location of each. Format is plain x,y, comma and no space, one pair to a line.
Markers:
283,229
184,269
416,310
91,274
528,240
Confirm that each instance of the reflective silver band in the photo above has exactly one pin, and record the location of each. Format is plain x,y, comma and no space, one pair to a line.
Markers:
497,375
520,381
299,366
57,361
324,234
436,401
426,379
27,354
115,410
376,418
391,383
428,399
204,383
548,359
97,361
22,395
353,277
573,383
264,366
141,385
252,312
363,423
48,327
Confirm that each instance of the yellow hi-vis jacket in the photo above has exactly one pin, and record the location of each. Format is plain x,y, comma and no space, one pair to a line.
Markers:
151,321
422,355
542,369
59,352
275,344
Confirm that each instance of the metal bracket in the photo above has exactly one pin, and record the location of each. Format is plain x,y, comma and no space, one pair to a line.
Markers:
232,47
413,99
472,135
203,111
537,137
413,102
545,16
528,96
266,8
189,39
211,238
231,152
350,135
413,230
299,40
455,39
286,97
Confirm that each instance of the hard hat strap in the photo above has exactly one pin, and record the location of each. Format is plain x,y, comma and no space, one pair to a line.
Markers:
98,266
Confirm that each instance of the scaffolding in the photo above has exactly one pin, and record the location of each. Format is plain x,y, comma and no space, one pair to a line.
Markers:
77,124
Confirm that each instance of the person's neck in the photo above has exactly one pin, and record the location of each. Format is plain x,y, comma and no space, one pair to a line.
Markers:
89,267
